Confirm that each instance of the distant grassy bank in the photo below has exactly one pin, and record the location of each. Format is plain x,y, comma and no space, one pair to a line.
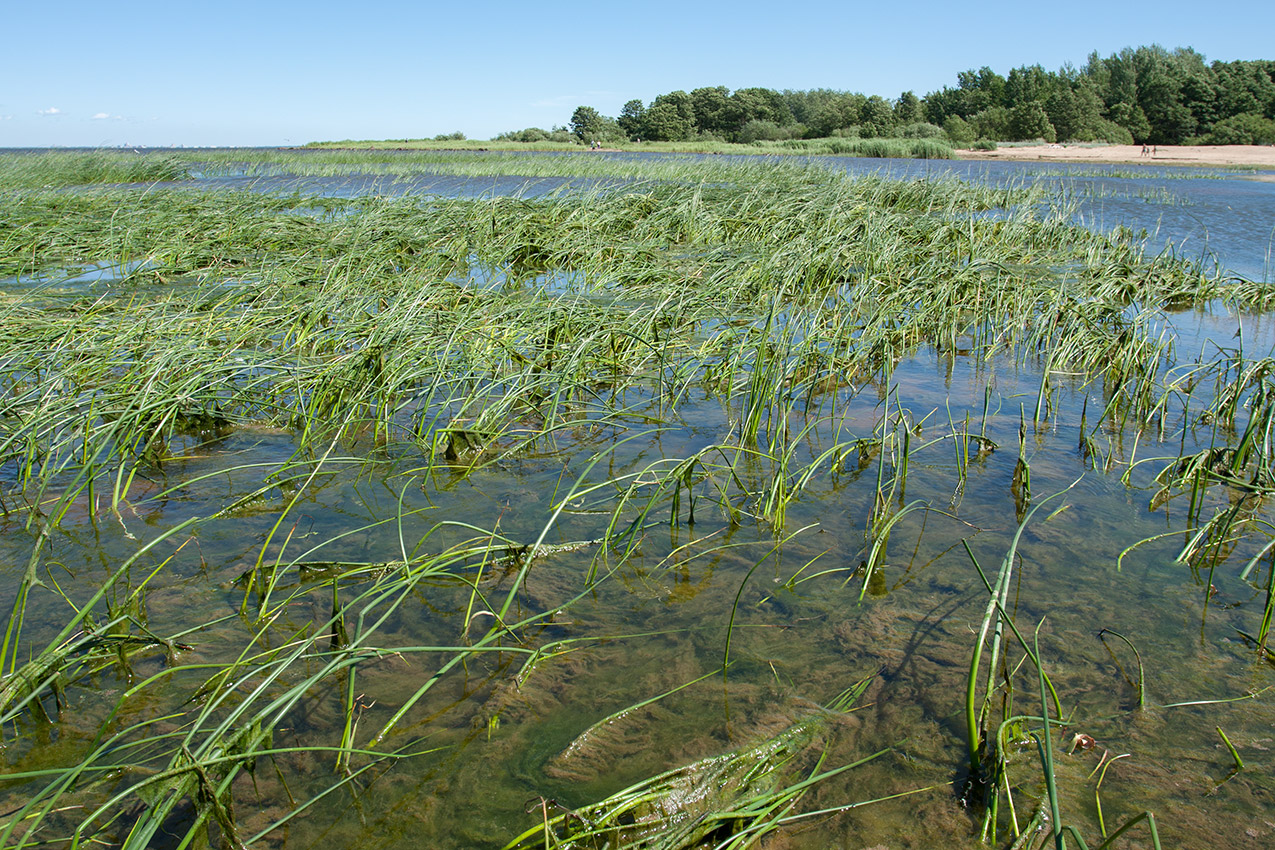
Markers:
899,148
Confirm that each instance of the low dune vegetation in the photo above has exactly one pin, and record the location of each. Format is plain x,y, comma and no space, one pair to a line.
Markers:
695,502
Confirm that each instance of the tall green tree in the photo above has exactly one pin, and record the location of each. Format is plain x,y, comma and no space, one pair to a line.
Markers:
587,123
804,105
711,110
836,113
983,88
1026,84
907,109
1159,77
1028,120
671,118
1147,94
1245,87
876,117
632,118
1132,118
1063,113
757,104
974,92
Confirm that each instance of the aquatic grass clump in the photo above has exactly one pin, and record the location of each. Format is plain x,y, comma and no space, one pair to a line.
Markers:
70,168
733,799
436,443
188,768
988,740
873,148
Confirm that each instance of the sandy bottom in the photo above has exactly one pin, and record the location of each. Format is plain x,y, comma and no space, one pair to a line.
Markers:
1257,156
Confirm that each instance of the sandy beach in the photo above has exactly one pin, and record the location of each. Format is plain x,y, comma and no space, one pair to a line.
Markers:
1255,156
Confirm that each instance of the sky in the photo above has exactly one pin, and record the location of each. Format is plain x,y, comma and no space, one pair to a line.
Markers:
282,73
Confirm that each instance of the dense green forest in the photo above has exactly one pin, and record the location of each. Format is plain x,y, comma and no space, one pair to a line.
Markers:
1147,95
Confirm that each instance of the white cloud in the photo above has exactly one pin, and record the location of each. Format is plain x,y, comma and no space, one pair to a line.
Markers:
103,116
52,110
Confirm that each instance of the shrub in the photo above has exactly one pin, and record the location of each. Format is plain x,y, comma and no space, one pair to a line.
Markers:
992,123
531,134
1102,130
761,131
958,131
1247,128
922,130
757,130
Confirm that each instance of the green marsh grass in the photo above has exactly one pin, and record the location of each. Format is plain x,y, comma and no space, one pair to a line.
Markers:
68,168
899,148
686,359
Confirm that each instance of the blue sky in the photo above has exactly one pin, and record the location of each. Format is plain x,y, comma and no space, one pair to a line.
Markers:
272,73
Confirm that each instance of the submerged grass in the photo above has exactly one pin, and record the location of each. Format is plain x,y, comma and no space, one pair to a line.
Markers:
732,800
429,344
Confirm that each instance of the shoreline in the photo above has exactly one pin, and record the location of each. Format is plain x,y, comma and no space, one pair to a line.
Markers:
1247,156
1260,157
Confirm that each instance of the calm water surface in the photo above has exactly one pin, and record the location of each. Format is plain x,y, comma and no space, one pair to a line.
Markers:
801,621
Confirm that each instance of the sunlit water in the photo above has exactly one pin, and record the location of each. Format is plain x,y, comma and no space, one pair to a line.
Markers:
1203,213
801,621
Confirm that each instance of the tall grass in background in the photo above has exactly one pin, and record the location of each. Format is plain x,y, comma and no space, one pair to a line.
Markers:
872,148
889,147
73,168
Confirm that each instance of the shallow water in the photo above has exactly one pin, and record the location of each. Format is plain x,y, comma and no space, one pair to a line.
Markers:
661,619
1206,214
788,606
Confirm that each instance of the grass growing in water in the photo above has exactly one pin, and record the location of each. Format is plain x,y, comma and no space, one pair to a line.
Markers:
66,168
420,348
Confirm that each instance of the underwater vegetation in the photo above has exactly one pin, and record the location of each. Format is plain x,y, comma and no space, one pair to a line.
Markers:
698,504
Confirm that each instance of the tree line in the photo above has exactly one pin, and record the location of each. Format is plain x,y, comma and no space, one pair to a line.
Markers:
1147,95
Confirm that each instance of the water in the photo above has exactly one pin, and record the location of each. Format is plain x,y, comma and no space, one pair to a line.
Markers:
1206,214
1212,215
359,185
789,607
660,620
